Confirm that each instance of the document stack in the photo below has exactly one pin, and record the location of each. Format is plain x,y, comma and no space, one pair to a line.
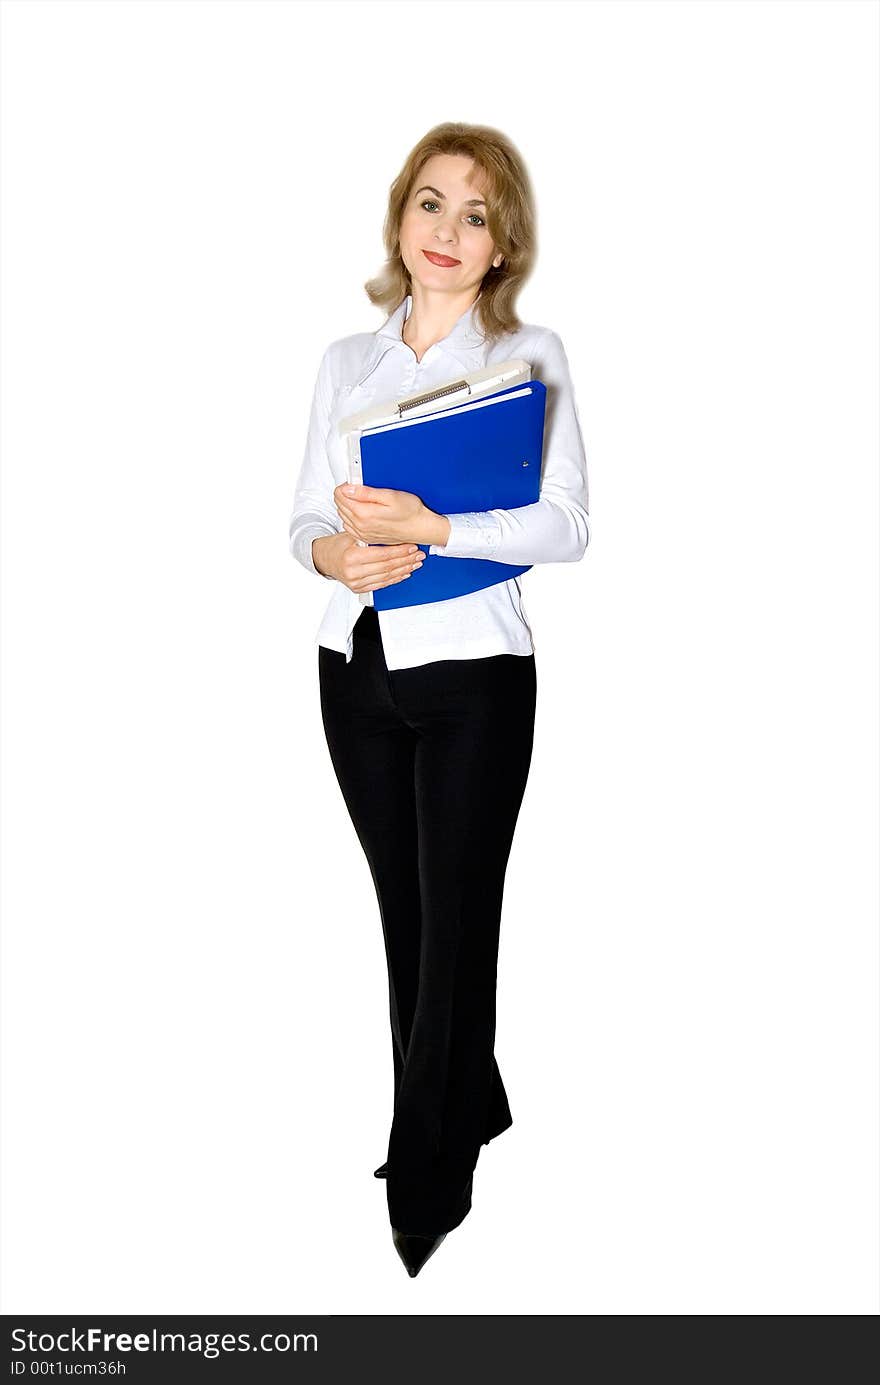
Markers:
473,444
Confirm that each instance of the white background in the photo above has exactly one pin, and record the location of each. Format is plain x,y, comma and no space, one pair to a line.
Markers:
197,1077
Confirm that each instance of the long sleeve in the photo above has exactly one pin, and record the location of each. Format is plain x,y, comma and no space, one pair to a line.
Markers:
314,514
556,528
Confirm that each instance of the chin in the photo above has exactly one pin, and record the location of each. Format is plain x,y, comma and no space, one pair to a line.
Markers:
430,275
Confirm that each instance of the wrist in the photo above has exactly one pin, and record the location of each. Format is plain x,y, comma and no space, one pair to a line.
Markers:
322,550
440,529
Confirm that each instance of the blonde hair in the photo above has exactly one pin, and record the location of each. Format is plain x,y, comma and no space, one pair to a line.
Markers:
510,217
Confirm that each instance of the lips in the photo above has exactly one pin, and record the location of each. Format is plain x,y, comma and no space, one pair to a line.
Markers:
444,260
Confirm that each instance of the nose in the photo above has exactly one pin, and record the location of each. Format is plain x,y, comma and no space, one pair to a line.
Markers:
445,235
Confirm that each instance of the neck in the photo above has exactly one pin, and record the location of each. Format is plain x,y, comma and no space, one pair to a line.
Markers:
433,315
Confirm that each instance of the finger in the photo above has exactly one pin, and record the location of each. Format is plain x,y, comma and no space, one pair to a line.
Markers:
368,580
393,552
379,552
398,577
380,570
374,586
352,510
345,490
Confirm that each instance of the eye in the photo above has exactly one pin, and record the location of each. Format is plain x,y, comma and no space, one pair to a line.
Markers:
429,203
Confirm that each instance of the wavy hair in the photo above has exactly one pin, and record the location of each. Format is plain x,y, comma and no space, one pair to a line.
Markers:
510,217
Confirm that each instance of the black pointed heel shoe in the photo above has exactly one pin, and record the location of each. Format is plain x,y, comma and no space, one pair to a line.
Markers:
381,1171
415,1250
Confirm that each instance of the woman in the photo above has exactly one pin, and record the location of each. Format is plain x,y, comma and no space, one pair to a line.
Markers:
429,709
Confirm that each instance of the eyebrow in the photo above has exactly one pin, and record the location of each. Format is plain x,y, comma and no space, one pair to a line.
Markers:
472,202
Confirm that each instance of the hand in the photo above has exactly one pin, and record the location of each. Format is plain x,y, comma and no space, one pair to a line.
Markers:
365,569
375,514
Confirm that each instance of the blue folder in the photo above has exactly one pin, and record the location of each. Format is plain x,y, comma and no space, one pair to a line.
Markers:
486,456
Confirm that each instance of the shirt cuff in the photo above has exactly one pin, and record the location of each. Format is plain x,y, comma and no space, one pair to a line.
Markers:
473,535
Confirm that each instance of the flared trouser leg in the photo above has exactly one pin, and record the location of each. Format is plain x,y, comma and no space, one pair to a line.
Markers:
433,762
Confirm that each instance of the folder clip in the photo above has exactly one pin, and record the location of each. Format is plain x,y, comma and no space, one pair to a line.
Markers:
420,399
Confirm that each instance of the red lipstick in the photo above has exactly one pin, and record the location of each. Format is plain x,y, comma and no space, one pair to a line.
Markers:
443,260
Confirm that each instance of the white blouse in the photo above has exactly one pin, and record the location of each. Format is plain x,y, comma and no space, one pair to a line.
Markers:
372,367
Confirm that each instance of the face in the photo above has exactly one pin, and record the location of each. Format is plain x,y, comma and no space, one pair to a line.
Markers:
446,215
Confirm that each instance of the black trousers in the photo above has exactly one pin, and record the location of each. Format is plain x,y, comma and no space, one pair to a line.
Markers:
433,763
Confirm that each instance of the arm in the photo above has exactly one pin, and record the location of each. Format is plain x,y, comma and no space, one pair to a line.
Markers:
314,513
556,528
